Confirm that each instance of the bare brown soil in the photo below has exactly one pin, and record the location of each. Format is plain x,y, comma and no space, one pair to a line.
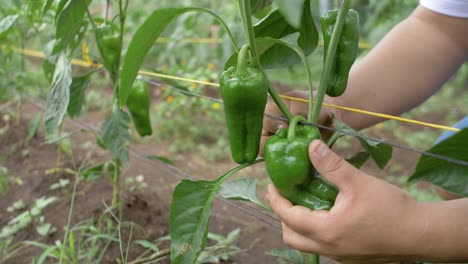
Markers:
148,207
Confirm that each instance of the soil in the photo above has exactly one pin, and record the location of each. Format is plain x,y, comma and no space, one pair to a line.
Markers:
147,208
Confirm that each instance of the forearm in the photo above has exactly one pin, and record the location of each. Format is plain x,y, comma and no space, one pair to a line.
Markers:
443,231
413,60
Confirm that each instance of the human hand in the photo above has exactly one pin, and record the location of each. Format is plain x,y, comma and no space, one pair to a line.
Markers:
372,221
271,125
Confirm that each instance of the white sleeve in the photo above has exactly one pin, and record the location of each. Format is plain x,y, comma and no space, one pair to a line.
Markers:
455,8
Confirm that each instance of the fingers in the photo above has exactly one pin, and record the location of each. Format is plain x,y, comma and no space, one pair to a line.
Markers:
331,166
271,125
298,241
299,218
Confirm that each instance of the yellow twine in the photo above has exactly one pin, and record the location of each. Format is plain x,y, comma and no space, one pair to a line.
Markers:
82,63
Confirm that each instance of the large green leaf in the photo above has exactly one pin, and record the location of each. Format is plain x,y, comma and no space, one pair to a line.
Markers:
69,23
77,95
144,38
243,190
291,10
115,134
446,174
6,23
189,217
274,26
59,96
190,214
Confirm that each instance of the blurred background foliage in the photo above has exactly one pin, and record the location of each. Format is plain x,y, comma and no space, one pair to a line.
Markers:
196,47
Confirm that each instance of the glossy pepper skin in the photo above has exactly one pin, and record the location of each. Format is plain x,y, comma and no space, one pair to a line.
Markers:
244,92
346,50
138,104
288,165
110,47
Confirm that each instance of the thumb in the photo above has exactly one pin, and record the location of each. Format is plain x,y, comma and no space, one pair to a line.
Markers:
331,166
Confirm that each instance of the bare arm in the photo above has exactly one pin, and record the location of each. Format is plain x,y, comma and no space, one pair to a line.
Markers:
410,63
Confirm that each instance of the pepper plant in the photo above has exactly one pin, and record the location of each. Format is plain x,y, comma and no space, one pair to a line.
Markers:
74,26
285,36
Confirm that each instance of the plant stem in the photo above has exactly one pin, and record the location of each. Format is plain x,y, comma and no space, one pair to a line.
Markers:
246,19
242,61
315,259
329,61
292,126
116,188
244,6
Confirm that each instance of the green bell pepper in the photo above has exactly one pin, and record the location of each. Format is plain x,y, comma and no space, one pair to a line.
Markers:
110,46
244,92
138,104
288,165
346,50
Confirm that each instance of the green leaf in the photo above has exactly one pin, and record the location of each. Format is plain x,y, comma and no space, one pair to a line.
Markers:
59,96
6,23
160,158
47,6
69,23
291,10
359,159
292,255
448,175
45,229
258,5
144,38
147,245
94,172
33,127
77,95
379,152
189,216
115,134
274,26
242,189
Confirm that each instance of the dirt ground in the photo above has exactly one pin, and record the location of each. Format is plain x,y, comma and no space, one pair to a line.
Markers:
147,207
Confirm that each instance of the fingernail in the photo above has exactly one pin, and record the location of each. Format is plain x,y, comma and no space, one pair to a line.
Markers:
321,149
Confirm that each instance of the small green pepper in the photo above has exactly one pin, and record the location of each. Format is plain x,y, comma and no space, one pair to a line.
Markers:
138,104
346,50
244,92
110,46
288,165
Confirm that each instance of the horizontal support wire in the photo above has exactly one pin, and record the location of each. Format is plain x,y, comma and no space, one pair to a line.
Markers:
91,64
357,135
180,175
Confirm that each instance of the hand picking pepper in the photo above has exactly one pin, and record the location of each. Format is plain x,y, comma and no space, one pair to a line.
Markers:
110,47
289,167
346,50
138,104
244,92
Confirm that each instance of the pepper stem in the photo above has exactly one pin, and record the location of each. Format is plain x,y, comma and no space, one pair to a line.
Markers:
242,60
292,126
331,52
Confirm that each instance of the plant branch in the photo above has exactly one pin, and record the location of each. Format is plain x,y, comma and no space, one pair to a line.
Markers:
329,61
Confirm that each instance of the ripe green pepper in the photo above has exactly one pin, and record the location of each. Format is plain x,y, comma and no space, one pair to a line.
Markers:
244,92
110,46
138,104
346,50
288,165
